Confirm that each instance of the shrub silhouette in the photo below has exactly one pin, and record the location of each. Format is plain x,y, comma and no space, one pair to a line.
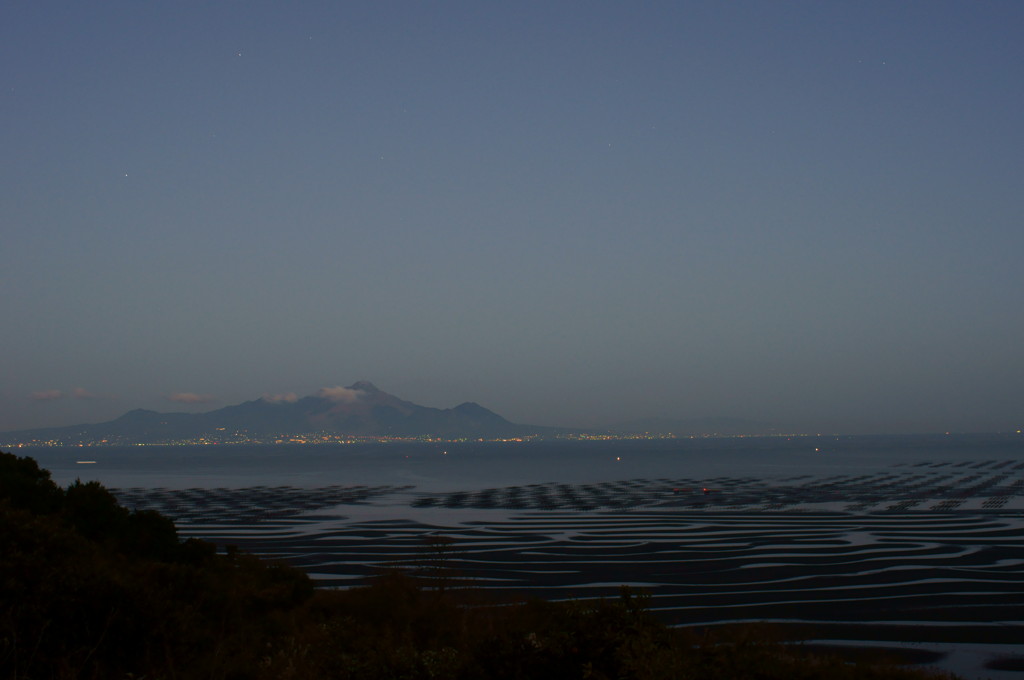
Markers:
24,485
89,589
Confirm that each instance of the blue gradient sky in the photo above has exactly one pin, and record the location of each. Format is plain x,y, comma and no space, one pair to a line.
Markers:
810,213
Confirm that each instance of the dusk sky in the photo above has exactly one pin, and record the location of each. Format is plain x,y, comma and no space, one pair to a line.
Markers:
572,213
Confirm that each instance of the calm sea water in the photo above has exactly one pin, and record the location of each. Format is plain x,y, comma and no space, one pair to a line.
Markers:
441,467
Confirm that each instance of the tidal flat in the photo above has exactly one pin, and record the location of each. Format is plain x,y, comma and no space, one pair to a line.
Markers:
912,551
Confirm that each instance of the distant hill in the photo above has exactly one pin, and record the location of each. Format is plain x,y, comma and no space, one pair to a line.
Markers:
358,410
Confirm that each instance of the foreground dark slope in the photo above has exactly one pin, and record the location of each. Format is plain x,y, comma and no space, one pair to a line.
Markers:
91,590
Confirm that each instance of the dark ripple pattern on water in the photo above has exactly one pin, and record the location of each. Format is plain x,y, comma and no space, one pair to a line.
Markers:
892,550
245,505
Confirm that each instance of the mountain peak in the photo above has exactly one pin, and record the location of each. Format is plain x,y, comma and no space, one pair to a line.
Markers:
363,386
138,413
475,411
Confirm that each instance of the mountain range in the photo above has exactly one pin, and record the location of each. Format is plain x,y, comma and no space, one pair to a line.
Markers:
360,410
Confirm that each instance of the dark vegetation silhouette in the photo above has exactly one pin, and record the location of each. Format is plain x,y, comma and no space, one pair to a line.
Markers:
89,589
